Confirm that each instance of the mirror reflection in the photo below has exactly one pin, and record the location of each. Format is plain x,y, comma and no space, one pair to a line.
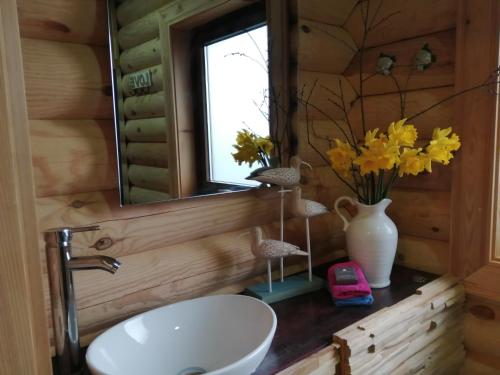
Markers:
196,107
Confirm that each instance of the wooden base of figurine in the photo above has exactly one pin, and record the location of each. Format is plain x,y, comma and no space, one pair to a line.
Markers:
292,286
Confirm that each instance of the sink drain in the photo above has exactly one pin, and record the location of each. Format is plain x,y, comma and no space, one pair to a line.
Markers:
192,371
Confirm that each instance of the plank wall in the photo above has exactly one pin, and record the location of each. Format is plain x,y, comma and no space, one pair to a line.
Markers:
169,251
184,249
421,205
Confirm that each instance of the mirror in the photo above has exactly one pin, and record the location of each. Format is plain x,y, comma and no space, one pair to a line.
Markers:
200,91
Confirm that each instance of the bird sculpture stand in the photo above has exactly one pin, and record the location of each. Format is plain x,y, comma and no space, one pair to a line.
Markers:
292,286
306,208
285,178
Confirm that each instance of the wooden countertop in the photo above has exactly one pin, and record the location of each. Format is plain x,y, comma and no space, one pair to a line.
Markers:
307,323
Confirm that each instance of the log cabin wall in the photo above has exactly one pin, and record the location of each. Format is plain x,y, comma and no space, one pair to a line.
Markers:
328,34
170,251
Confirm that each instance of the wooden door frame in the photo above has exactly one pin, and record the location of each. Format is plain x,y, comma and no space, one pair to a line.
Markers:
23,327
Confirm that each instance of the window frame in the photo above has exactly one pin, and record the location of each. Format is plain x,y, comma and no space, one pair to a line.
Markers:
476,187
230,25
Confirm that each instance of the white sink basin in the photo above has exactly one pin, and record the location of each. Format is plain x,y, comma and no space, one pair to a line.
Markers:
210,335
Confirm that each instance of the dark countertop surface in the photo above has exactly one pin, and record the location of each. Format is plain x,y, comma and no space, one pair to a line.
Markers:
307,323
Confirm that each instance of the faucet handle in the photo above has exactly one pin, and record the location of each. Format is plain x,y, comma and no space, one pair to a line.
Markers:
86,229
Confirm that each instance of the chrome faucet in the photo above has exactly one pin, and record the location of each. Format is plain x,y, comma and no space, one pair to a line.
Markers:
61,264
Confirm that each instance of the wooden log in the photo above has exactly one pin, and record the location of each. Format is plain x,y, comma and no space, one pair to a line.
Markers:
384,361
479,364
139,195
147,130
381,110
64,21
149,154
441,73
197,281
142,56
132,10
156,76
318,87
139,31
409,19
149,177
146,106
336,46
66,81
482,335
423,254
73,156
147,27
333,13
322,362
432,355
423,214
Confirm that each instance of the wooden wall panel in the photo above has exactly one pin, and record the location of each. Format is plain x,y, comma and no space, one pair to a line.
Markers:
70,81
63,20
73,156
409,19
441,74
329,12
66,80
482,332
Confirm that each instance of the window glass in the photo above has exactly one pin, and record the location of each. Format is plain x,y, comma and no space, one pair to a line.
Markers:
236,98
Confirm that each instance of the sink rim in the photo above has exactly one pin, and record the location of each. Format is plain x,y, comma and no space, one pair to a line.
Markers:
266,341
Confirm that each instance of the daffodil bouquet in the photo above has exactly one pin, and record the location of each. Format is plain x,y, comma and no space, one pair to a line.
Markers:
369,168
251,148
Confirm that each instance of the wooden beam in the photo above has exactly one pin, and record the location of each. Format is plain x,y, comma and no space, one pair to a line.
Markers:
132,10
147,130
473,168
66,81
152,178
440,74
401,19
150,154
25,345
64,21
145,106
144,55
333,13
73,156
336,46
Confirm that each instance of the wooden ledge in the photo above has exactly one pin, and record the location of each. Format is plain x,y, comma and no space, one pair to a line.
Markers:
485,282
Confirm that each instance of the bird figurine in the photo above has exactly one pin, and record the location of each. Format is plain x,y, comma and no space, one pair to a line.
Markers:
306,208
284,177
271,249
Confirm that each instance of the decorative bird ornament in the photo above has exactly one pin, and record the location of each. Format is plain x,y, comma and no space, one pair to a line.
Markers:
271,249
306,208
284,177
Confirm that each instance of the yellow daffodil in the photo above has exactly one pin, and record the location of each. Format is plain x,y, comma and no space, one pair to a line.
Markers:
402,134
265,144
370,136
442,145
411,162
250,148
341,157
380,154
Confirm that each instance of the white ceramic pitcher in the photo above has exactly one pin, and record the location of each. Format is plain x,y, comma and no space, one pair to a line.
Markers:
372,239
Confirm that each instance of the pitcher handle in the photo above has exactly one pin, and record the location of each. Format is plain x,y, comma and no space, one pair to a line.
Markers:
336,206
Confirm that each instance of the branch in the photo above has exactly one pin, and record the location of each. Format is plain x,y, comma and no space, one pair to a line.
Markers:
454,96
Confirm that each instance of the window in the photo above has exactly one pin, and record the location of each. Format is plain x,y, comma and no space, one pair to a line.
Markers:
236,87
232,85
